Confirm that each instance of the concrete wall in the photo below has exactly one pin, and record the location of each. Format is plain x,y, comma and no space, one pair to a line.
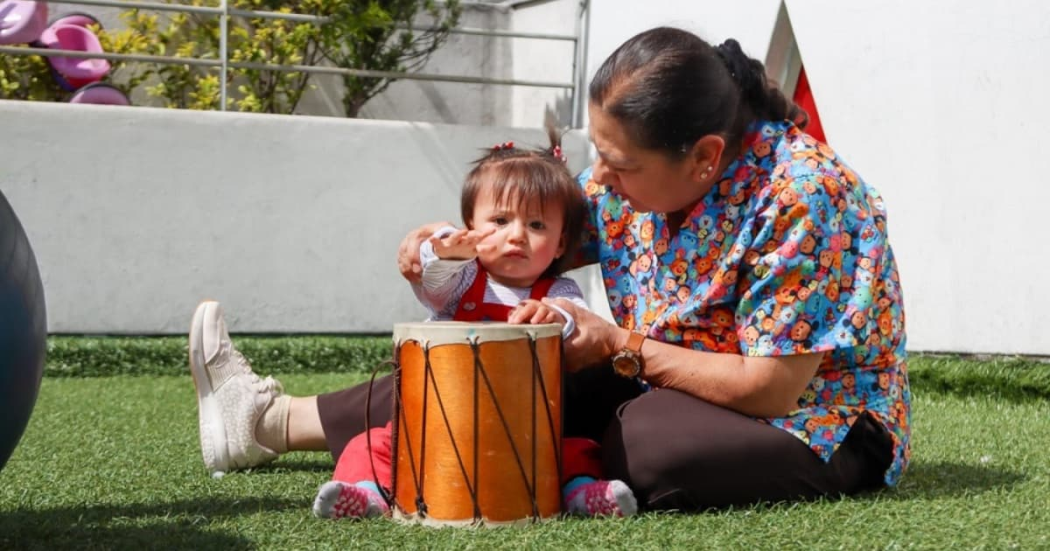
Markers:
293,222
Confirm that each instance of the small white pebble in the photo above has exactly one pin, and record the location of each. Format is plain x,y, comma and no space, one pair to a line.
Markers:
218,474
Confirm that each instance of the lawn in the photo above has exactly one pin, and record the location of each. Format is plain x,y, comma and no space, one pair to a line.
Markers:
113,462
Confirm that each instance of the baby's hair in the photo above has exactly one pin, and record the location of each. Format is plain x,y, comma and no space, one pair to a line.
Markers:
523,174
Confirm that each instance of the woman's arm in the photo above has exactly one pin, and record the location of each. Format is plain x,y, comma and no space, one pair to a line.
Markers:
408,251
757,386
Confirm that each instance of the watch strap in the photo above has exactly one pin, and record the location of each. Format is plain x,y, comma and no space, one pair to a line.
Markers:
634,343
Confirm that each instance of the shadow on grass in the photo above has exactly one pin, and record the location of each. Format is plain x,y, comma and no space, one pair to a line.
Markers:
931,480
322,465
175,525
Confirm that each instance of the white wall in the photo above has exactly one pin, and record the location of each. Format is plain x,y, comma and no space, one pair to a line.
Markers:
136,214
944,111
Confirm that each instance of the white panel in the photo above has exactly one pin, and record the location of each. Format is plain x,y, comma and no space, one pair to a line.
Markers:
941,106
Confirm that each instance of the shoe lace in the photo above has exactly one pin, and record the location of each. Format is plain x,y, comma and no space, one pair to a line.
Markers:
262,386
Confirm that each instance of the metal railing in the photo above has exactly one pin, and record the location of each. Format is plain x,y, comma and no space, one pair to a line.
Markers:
224,12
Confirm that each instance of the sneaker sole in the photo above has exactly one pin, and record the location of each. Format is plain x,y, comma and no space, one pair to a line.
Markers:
212,429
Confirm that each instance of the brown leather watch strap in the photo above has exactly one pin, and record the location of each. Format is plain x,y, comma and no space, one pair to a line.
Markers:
634,343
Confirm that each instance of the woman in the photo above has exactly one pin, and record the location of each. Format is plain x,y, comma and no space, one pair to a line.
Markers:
758,351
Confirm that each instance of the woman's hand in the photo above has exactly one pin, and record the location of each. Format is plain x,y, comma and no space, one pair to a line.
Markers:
408,252
594,341
535,312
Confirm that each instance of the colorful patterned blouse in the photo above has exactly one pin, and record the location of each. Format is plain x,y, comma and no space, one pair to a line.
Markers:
786,255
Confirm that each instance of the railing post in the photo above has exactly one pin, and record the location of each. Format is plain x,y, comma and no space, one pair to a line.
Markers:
223,21
579,63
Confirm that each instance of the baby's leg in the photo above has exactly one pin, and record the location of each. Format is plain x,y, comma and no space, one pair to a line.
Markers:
354,491
337,499
585,496
584,493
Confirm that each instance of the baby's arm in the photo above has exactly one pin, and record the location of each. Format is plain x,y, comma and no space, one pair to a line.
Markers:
453,244
444,280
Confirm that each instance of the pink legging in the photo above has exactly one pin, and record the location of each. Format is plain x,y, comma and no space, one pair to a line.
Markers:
580,457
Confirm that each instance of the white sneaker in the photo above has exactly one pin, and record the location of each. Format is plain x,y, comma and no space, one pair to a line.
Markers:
230,396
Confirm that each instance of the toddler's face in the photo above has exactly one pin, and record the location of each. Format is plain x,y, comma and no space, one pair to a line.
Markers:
526,240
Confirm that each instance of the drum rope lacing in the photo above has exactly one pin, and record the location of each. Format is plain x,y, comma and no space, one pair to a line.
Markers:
418,475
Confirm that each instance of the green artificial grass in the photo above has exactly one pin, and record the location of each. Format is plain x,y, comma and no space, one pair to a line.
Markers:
112,461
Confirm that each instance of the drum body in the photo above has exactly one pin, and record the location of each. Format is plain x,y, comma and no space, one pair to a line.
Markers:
477,423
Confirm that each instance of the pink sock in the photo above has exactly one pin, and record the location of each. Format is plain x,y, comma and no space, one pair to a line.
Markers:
336,499
602,498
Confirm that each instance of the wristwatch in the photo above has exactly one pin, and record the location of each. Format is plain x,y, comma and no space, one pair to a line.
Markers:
628,362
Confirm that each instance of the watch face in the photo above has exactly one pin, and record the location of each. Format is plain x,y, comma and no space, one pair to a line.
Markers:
626,366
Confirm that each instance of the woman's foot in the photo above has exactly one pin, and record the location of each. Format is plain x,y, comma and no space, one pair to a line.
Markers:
611,498
337,499
231,399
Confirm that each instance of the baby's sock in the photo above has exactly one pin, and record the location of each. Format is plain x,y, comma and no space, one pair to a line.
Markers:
336,499
586,496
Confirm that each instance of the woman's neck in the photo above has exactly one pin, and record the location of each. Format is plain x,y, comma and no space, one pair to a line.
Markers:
676,219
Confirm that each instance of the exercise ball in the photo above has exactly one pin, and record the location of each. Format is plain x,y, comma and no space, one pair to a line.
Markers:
23,330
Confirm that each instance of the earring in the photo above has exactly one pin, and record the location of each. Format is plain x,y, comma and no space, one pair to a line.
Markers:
706,172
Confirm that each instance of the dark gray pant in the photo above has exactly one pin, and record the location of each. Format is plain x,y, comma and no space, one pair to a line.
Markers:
675,451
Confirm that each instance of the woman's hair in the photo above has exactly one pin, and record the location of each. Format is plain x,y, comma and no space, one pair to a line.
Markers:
524,174
669,88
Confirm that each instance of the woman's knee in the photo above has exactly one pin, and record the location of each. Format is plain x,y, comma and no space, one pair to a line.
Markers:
639,447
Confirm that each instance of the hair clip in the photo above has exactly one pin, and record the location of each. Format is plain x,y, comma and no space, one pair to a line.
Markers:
503,146
556,151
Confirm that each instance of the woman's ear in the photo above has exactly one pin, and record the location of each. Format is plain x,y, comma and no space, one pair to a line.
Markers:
706,156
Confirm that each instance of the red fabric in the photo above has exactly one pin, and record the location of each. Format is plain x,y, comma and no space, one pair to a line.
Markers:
580,457
472,307
804,99
355,463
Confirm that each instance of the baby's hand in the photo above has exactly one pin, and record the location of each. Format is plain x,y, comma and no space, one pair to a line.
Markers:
534,312
458,245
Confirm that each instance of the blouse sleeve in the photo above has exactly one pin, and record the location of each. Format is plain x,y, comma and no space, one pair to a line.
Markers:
443,282
568,289
791,278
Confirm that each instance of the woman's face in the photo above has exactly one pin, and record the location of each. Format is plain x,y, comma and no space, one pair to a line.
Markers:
649,179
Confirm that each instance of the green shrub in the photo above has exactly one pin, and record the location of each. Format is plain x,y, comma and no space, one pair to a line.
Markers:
104,356
371,35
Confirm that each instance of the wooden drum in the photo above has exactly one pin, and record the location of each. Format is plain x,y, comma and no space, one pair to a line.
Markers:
477,423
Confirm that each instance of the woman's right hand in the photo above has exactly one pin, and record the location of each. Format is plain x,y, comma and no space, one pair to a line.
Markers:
408,252
594,340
